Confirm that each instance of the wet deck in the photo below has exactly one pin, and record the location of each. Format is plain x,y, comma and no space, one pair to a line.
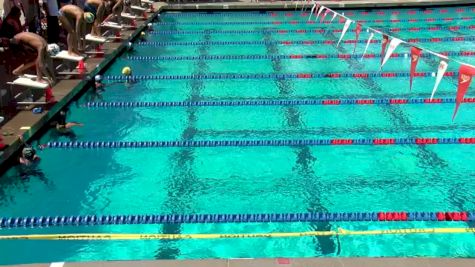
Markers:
282,262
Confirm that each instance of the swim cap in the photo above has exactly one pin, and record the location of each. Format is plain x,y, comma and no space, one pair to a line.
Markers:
89,17
142,34
53,49
28,153
126,71
98,78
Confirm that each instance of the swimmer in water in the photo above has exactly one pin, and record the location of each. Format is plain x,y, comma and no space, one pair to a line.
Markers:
28,154
64,127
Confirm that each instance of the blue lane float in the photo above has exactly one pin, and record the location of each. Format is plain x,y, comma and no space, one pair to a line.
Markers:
267,102
278,76
379,21
90,220
296,56
299,13
254,143
292,31
304,42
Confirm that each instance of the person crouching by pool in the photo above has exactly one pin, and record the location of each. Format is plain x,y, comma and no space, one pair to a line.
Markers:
62,126
97,8
44,65
73,19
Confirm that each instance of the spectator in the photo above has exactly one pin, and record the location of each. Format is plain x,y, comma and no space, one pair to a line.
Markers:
7,6
51,8
32,12
12,25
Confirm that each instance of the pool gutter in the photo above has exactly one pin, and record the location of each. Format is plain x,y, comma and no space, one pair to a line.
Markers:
280,262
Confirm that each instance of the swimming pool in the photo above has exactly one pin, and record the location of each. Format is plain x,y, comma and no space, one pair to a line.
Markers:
272,179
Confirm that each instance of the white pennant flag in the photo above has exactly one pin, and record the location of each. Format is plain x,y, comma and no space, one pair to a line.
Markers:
345,28
440,74
392,46
334,16
319,11
311,11
367,44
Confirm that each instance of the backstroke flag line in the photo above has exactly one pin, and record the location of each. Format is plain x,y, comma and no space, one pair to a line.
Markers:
440,74
415,55
367,43
324,15
345,28
319,11
465,78
384,43
313,10
392,46
358,31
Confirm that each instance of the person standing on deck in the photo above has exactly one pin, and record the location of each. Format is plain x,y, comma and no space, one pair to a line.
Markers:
73,20
97,8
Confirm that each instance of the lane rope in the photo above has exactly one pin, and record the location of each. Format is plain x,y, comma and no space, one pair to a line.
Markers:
144,236
313,30
301,42
84,220
266,143
293,56
295,22
229,76
267,102
305,14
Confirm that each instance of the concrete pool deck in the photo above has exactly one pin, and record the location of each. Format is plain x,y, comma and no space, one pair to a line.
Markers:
280,262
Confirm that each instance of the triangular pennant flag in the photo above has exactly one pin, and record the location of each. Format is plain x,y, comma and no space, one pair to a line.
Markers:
367,43
345,28
440,74
334,16
318,12
415,55
357,32
312,10
392,46
384,43
465,78
324,15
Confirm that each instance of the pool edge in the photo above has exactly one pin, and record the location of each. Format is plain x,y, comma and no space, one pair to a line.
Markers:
273,262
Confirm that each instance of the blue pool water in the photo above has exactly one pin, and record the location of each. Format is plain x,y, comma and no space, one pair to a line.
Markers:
255,179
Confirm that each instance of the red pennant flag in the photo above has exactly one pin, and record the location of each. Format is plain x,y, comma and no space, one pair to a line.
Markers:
358,31
415,55
465,78
384,43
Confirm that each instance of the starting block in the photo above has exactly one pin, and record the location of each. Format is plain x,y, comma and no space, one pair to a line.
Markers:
63,55
112,25
28,81
138,8
95,39
128,16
